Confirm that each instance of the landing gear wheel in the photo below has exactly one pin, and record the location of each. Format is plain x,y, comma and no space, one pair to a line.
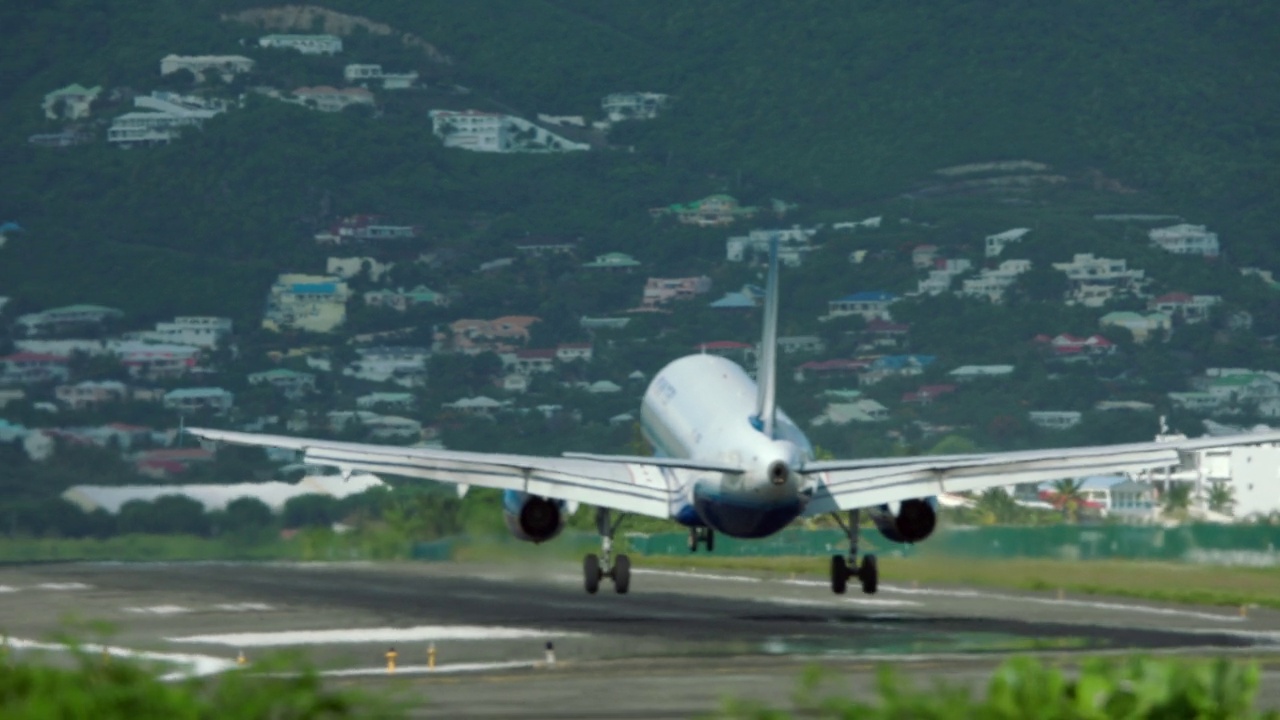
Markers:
711,540
693,539
622,574
591,573
839,574
869,575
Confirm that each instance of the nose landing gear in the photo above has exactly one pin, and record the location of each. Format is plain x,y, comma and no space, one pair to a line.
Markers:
867,572
702,536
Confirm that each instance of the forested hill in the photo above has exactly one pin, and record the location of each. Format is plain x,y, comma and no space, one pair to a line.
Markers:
827,104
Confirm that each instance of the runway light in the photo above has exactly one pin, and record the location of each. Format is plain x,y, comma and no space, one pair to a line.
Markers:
431,656
241,659
391,660
1061,593
1244,611
551,653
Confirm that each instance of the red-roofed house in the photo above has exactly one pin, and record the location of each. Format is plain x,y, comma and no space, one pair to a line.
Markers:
1191,308
818,369
31,368
926,394
1066,345
727,348
528,362
365,228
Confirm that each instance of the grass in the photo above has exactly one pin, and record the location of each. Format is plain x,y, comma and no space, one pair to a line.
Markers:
1161,582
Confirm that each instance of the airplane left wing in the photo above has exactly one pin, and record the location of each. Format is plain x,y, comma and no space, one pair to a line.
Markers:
645,486
852,484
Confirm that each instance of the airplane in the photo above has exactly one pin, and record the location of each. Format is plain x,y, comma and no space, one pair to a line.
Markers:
728,460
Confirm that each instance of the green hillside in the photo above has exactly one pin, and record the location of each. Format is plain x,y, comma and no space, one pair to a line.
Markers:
834,106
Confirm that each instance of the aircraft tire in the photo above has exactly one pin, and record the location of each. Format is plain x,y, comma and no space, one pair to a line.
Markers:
869,575
693,540
839,574
622,574
591,573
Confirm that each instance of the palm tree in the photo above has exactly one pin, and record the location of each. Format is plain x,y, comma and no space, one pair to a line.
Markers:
1177,501
1221,498
997,507
1069,498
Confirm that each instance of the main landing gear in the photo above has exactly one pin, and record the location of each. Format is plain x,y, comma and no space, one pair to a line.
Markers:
702,536
595,568
842,569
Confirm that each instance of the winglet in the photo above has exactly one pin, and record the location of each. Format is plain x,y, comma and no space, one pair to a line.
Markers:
767,364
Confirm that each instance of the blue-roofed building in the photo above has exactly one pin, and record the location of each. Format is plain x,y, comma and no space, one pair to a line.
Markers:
895,366
871,305
315,303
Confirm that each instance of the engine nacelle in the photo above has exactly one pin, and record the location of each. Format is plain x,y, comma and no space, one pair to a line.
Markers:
532,518
909,522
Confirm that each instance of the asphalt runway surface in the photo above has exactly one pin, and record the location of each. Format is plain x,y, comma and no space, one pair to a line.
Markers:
673,647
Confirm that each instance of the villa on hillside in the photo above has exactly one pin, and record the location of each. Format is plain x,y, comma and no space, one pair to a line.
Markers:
710,211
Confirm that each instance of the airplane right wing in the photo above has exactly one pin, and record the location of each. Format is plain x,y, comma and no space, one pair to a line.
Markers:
852,484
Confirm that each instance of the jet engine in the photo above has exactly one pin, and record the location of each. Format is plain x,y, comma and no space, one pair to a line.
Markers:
907,522
532,518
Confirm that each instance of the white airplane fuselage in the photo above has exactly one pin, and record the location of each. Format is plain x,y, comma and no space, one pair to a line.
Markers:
702,407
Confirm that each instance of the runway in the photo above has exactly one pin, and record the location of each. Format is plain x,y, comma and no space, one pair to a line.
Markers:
671,648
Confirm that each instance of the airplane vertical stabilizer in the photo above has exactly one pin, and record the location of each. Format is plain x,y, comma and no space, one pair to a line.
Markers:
767,364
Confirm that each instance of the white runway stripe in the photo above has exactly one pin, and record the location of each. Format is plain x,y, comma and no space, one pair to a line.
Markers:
1091,604
437,670
63,586
159,610
194,665
383,635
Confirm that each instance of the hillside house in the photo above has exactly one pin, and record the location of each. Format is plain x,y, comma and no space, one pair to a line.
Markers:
884,335
969,373
530,361
612,261
68,137
199,331
58,321
494,132
927,394
291,383
499,335
992,283
1185,239
305,44
1190,309
546,246
166,116
870,305
1197,401
314,303
633,105
91,393
33,369
155,361
1067,346
73,102
187,400
922,256
826,369
1143,327
363,229
480,406
805,344
888,366
793,245
941,274
711,211
660,291
225,67
404,366
357,73
573,352
1055,419
401,401
326,98
738,351
995,244
863,411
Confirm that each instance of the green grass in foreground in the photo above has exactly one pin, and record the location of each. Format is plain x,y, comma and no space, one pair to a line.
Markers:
1164,582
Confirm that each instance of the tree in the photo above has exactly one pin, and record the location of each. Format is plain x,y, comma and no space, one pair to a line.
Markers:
1221,498
1068,498
248,516
1177,501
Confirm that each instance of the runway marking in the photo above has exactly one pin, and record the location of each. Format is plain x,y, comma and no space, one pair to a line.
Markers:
1091,604
196,665
63,586
159,610
838,600
392,636
702,576
243,607
8,589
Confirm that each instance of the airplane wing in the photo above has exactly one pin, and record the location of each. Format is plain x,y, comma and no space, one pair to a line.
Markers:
645,486
852,484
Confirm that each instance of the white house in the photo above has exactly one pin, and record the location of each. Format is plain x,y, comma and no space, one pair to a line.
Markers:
404,366
225,66
305,44
1185,239
1141,326
291,383
390,81
58,320
316,303
871,305
966,373
1054,419
995,243
168,115
864,410
1190,308
349,267
793,244
1096,280
199,331
192,399
330,99
495,132
992,283
633,105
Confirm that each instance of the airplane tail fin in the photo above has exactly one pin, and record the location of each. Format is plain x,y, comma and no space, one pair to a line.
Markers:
767,364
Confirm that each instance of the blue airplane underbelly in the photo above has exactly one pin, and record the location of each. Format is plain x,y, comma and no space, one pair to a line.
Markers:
744,518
